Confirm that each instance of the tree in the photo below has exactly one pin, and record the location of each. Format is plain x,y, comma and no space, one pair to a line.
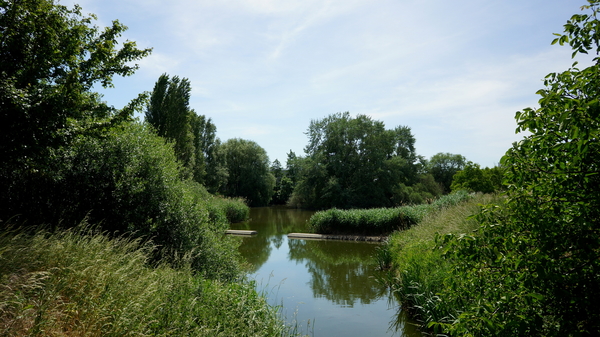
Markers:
443,166
249,175
473,179
280,178
169,113
354,162
209,170
534,266
50,58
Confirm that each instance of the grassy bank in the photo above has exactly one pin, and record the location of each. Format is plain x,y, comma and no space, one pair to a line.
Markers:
76,283
419,270
378,221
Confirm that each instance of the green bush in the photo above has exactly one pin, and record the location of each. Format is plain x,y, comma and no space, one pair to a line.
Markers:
378,221
127,180
419,270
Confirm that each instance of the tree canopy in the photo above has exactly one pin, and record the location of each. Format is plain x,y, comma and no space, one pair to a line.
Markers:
194,136
443,166
354,163
249,172
50,57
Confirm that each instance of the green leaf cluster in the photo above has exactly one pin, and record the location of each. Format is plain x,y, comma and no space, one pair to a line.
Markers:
67,156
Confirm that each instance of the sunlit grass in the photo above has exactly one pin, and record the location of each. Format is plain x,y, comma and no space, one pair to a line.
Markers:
419,270
81,283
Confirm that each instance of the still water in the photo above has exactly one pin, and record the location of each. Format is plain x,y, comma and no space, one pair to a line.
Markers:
327,287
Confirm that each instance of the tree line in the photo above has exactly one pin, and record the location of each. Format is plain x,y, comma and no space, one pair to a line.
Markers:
350,162
355,162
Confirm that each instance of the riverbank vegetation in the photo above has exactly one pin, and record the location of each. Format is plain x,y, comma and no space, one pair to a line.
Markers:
379,221
79,282
157,261
531,265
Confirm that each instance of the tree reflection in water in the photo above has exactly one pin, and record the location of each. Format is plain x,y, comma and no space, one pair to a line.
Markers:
330,281
340,271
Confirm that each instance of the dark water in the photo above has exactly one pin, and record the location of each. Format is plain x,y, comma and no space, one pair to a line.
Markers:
327,287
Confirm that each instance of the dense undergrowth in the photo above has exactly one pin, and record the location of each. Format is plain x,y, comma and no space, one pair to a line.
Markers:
378,221
419,270
79,282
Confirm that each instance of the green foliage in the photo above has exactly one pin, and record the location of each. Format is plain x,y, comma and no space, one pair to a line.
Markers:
249,174
128,181
443,166
533,266
425,190
284,180
50,57
378,221
354,162
419,270
78,282
169,113
234,209
474,179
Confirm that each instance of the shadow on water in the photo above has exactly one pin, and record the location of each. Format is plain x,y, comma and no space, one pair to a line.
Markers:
330,286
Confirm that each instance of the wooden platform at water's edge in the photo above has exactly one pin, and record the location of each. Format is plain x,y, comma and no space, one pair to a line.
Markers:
310,236
240,232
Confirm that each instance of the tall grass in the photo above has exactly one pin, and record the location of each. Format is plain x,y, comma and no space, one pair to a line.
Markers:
81,283
378,221
419,271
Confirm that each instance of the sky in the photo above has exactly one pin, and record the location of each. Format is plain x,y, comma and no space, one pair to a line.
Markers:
455,72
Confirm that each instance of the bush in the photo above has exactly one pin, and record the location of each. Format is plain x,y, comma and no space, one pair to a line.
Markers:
127,180
419,270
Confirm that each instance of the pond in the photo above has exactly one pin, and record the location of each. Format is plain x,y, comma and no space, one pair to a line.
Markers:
328,288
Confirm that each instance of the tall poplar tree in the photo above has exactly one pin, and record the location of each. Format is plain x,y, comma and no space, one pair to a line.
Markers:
169,113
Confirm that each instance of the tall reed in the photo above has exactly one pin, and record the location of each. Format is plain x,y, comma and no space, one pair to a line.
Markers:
81,283
378,221
419,270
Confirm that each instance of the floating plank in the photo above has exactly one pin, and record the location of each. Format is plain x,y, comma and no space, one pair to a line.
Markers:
311,236
240,232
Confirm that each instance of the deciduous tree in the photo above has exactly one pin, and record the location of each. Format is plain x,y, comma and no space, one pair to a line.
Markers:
354,162
249,175
443,166
533,268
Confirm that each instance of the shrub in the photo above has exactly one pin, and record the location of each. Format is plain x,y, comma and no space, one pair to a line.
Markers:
419,270
127,180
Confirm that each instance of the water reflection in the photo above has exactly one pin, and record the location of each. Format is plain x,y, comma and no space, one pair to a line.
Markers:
341,272
331,282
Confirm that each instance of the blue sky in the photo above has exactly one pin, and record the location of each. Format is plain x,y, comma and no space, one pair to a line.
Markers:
455,72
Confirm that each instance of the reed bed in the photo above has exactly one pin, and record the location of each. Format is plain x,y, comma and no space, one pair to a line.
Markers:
379,221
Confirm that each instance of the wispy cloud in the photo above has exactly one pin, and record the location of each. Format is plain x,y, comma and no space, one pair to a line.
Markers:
455,72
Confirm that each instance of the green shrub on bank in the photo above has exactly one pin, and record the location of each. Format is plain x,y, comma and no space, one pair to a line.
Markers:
378,221
235,209
75,283
419,270
127,179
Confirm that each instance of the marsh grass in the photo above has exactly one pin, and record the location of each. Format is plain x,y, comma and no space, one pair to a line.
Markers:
419,270
379,221
81,283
